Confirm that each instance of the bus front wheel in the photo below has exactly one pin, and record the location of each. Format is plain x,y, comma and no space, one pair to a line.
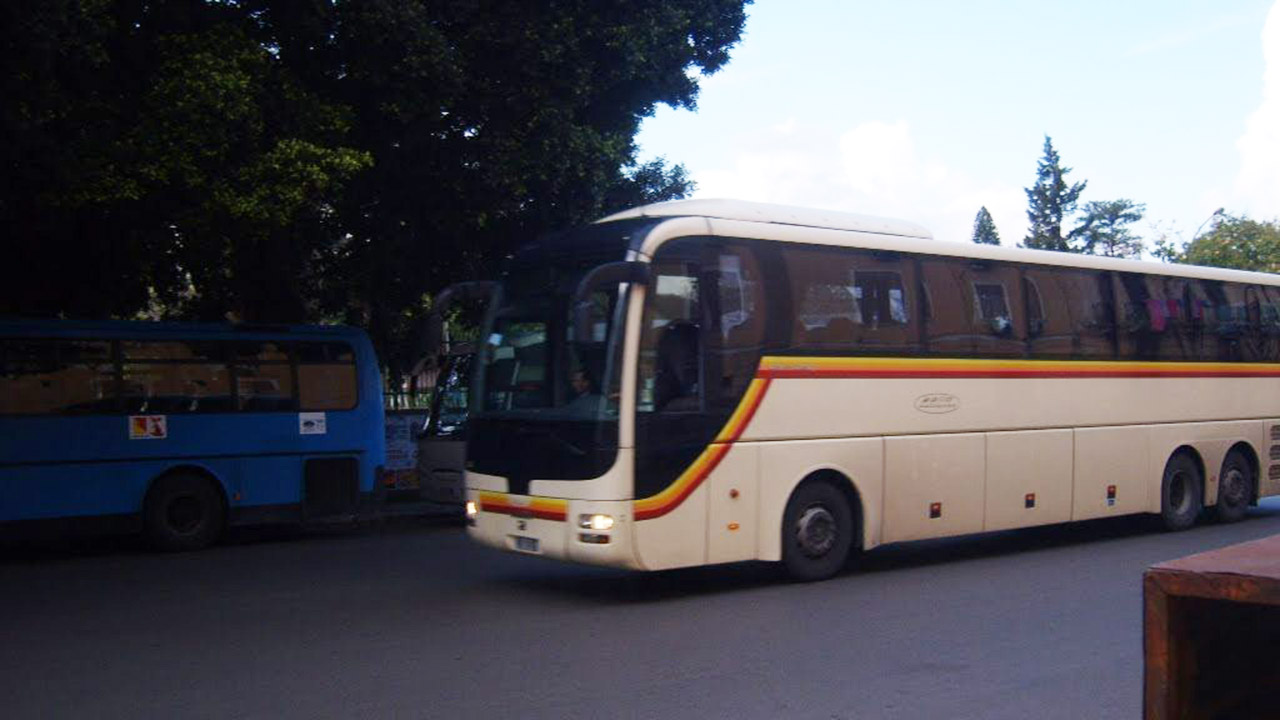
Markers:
1181,493
183,512
817,532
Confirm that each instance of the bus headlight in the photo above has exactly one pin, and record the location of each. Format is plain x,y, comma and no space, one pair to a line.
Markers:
595,522
471,512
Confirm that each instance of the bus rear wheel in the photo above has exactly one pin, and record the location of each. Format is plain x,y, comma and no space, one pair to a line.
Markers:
817,532
1181,493
1235,488
183,512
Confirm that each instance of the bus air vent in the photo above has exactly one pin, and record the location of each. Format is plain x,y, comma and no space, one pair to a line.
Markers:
332,486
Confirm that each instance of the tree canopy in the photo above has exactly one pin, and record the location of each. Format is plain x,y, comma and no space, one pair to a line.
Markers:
1232,242
281,161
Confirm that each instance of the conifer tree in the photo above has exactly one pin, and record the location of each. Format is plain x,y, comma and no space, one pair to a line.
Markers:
984,228
1051,201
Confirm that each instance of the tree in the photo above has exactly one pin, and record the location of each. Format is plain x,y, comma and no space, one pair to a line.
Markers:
1234,242
1051,201
283,161
1105,230
984,228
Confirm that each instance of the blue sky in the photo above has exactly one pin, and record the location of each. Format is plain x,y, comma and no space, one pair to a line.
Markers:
927,110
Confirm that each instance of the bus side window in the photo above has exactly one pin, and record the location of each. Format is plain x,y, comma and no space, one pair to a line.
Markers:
56,376
670,355
734,351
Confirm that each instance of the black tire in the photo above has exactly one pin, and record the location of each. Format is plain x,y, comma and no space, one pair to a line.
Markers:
183,512
817,532
1181,493
1235,488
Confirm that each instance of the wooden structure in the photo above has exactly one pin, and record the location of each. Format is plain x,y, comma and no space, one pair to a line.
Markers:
1212,634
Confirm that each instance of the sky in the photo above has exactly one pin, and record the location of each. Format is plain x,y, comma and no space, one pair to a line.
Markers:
928,110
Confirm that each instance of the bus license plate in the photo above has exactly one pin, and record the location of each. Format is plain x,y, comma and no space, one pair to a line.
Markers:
526,544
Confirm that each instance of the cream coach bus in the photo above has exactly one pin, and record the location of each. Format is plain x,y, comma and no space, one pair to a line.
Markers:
702,382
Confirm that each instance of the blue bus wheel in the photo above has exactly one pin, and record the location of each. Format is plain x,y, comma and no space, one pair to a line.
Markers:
183,512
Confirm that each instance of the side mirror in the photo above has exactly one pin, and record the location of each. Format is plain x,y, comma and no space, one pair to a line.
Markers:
457,292
607,276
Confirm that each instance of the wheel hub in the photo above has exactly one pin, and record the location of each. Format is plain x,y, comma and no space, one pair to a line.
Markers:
1233,487
816,531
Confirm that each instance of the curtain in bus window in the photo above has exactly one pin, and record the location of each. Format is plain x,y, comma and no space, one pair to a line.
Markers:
175,376
1152,317
56,376
850,300
974,308
740,319
1268,313
326,376
1076,314
263,376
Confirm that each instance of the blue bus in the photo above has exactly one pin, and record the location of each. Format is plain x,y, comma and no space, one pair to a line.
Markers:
182,429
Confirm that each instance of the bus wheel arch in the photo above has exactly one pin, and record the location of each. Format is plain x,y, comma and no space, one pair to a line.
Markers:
185,508
1182,489
821,526
1237,483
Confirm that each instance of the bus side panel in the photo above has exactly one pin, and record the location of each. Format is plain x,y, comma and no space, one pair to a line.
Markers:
934,485
36,492
676,539
1112,471
733,500
784,464
1028,478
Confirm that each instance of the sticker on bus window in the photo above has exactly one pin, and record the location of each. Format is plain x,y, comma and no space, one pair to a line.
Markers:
148,427
311,423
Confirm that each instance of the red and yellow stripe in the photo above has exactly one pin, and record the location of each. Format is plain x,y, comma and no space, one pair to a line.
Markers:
542,508
693,476
778,368
889,368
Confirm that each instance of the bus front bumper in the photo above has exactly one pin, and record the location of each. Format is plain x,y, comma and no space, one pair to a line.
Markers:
594,532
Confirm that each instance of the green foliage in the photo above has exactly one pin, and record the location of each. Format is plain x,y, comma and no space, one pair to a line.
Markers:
984,228
1105,228
1233,242
285,161
1051,200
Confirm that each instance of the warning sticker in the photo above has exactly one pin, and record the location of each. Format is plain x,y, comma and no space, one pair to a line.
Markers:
148,427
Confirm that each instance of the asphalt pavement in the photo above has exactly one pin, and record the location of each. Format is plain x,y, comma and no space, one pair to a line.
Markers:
407,619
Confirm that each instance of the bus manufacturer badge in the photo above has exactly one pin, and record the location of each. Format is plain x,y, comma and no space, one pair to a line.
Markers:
148,427
937,403
311,423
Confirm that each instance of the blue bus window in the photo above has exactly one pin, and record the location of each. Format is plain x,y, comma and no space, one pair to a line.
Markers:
68,376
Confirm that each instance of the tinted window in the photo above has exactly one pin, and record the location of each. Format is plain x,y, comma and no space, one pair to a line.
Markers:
175,376
56,376
1075,314
850,300
326,376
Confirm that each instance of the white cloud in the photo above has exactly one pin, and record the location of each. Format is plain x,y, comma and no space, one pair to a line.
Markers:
872,168
1258,183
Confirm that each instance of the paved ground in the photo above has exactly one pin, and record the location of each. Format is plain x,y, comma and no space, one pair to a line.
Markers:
409,620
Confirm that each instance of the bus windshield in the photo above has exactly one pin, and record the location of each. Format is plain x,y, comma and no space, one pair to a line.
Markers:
545,402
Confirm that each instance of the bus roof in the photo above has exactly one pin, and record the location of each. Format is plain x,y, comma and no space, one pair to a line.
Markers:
777,214
902,236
